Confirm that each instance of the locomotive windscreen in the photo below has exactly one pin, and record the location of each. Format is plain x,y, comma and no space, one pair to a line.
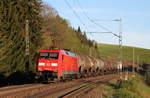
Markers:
51,55
44,55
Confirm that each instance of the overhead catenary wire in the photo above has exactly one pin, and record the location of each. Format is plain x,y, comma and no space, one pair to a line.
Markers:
104,28
76,15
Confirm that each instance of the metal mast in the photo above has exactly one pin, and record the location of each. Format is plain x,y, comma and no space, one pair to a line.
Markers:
133,61
27,39
120,42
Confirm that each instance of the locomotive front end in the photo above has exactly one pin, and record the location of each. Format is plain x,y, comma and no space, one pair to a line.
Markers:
48,63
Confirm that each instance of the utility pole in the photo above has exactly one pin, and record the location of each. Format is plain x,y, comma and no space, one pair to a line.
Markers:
120,42
27,39
138,62
90,52
133,61
120,45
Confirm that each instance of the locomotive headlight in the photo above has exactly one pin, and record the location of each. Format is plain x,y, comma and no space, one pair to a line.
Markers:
41,64
54,64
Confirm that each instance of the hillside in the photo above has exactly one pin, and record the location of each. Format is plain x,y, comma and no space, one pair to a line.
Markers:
46,28
58,32
113,51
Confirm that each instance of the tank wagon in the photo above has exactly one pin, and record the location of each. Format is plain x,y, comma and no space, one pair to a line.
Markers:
64,64
89,66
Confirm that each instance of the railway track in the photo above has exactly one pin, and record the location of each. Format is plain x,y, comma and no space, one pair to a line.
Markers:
81,91
14,87
69,89
8,91
21,91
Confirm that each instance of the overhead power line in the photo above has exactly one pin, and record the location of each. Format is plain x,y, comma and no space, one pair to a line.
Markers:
76,15
104,28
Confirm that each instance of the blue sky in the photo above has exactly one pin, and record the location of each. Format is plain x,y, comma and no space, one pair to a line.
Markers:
135,17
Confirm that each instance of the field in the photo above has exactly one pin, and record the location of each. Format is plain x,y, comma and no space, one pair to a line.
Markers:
143,55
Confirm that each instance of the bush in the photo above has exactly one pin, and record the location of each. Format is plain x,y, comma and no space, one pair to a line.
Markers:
123,93
126,89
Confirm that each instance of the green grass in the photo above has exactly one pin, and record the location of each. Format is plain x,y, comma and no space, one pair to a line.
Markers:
113,51
134,87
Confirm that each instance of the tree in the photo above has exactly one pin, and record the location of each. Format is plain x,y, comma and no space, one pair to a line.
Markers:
96,45
79,30
53,28
13,16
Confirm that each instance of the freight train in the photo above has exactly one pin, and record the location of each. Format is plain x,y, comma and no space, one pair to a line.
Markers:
64,64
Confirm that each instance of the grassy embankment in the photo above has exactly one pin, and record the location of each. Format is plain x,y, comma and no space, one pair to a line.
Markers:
134,87
113,51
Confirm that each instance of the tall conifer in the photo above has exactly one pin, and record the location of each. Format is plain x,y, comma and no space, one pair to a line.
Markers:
13,16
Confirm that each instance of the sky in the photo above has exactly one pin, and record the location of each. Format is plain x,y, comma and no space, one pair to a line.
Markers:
135,15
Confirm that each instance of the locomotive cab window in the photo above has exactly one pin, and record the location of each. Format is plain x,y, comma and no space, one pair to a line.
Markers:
53,55
44,55
70,53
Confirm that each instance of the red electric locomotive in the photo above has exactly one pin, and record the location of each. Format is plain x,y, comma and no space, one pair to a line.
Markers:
57,63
